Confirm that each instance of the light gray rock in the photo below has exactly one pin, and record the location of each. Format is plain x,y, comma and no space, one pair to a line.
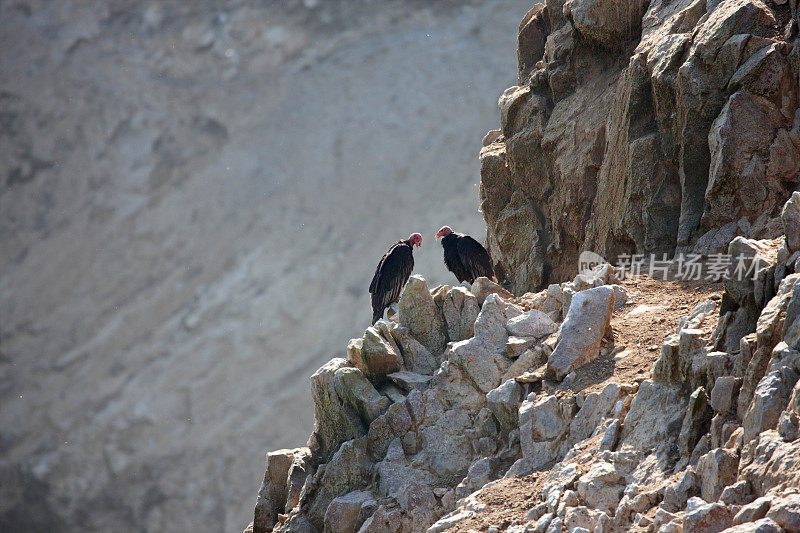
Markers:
418,503
356,390
667,366
583,328
349,469
610,436
532,323
707,518
516,346
739,493
764,525
528,361
790,216
419,313
416,357
717,469
785,511
770,399
334,421
789,421
725,394
460,311
409,381
580,518
601,487
484,366
504,403
478,475
791,325
654,418
542,426
483,287
490,326
303,463
753,511
378,356
347,513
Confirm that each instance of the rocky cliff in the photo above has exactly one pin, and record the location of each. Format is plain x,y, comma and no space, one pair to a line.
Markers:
602,403
471,409
640,128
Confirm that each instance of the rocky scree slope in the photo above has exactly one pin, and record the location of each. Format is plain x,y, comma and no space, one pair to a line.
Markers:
464,385
640,127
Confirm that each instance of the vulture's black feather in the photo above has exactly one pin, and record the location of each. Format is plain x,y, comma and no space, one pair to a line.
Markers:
390,276
466,258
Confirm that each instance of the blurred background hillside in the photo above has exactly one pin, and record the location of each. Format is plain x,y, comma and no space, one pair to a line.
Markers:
194,197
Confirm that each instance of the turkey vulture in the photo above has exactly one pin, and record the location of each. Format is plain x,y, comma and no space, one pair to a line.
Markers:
464,256
391,274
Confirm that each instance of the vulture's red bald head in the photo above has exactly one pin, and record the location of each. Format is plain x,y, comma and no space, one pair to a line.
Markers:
416,240
444,232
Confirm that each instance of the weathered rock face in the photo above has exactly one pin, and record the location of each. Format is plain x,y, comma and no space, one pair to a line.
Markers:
658,152
640,132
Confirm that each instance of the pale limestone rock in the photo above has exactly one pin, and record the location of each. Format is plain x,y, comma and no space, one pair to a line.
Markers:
490,326
532,323
601,487
790,216
707,518
419,313
769,400
484,366
755,510
695,422
409,381
529,360
583,329
272,494
515,346
355,389
504,403
764,525
717,469
334,421
378,356
460,311
483,287
725,393
416,358
785,511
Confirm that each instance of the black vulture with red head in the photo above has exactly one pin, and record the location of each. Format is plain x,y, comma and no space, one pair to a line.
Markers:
392,273
464,256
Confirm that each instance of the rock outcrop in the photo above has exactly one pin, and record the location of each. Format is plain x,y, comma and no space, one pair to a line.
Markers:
637,127
640,128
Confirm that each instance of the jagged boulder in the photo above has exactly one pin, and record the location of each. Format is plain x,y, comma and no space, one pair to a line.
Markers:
349,469
790,216
460,311
609,22
584,327
334,421
345,514
419,313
